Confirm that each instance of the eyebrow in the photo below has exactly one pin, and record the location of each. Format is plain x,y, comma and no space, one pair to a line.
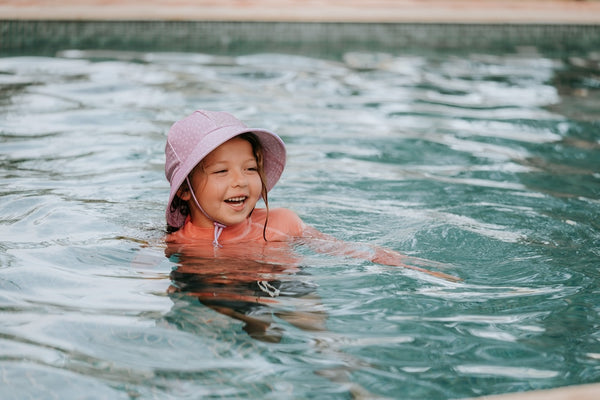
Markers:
210,164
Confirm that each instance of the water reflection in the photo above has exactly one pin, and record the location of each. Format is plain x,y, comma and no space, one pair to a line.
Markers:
250,282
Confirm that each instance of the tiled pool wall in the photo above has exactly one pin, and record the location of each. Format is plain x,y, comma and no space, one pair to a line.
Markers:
46,37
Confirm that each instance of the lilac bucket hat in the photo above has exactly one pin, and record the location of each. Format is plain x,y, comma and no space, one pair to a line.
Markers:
194,137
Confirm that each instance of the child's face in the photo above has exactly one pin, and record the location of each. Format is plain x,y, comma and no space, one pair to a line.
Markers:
227,184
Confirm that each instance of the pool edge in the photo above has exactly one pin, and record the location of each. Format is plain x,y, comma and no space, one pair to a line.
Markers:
575,392
398,11
321,38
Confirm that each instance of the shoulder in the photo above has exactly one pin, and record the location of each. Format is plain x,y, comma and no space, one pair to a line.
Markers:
175,236
287,221
189,233
283,220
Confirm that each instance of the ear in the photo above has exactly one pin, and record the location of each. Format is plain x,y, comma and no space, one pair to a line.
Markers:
184,192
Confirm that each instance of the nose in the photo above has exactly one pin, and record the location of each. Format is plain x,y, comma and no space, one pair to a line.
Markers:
239,178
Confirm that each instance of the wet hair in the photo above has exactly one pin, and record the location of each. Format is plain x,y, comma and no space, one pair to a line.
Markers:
183,207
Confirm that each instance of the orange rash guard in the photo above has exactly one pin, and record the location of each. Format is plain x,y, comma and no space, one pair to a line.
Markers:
283,225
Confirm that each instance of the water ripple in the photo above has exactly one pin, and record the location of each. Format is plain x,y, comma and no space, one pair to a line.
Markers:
485,164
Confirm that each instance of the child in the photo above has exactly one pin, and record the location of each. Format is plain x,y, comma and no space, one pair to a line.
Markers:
218,169
232,256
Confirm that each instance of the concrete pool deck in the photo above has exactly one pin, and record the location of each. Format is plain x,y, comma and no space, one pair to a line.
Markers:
548,12
398,11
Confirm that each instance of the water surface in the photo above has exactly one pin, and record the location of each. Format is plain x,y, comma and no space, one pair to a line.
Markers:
488,164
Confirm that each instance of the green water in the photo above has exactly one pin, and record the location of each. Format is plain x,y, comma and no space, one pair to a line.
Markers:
486,165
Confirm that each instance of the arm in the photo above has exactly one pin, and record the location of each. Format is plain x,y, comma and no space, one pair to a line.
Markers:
324,243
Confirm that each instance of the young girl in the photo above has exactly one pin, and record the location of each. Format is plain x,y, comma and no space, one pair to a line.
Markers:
233,257
218,169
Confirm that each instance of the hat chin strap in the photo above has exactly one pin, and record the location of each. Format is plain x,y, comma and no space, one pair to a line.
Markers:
218,226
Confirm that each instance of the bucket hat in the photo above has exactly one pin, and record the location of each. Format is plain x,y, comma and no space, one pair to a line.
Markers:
194,137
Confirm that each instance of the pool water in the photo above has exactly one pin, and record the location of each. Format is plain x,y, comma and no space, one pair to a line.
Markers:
481,166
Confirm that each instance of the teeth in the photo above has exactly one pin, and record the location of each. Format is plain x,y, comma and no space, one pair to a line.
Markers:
236,199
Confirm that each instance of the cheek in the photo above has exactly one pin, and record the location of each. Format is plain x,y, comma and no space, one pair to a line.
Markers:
212,187
257,185
204,186
198,179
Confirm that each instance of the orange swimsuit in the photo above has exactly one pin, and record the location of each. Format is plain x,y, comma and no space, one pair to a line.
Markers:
283,225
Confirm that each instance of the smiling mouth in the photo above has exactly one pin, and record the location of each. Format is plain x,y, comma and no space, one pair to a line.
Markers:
236,200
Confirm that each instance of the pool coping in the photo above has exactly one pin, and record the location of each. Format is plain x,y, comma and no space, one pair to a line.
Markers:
576,392
397,11
549,26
